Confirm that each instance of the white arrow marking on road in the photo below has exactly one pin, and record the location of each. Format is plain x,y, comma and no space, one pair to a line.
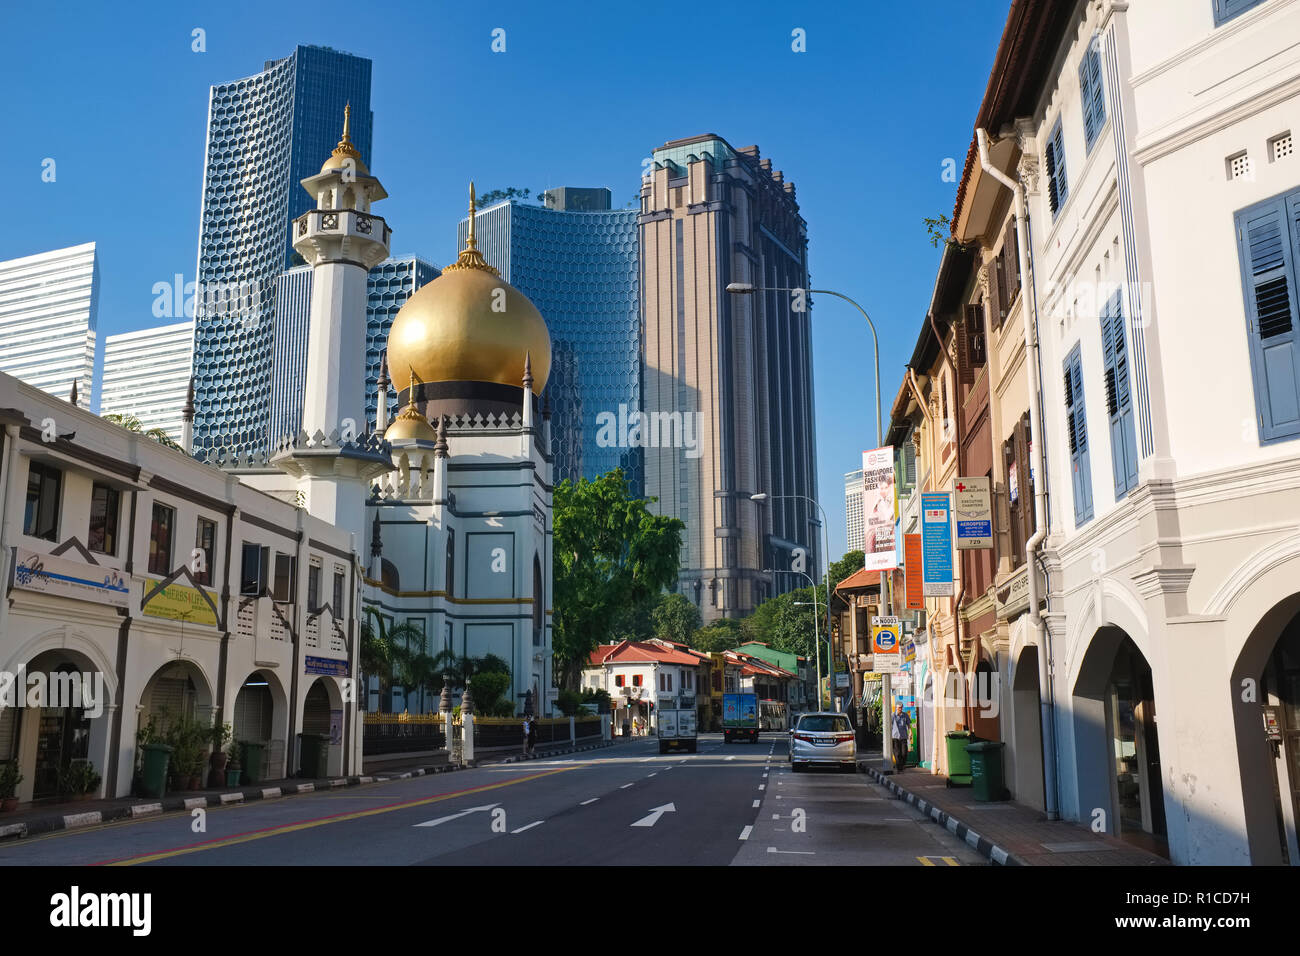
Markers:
456,816
654,816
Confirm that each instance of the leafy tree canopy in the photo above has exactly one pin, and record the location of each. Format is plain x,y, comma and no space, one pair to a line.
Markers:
131,423
721,635
676,618
612,559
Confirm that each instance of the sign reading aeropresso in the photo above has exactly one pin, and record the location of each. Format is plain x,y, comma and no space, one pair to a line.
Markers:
879,509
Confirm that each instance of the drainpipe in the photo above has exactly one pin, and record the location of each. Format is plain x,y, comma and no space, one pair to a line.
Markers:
1039,473
961,595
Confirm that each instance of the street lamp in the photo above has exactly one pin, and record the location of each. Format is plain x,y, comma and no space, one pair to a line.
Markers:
817,659
826,562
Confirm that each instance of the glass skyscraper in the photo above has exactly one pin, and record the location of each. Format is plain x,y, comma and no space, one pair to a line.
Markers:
580,268
266,133
146,375
388,286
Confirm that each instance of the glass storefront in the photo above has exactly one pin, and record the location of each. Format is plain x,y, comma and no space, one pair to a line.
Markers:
1138,791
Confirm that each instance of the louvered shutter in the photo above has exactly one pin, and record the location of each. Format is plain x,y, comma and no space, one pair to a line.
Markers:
965,374
1080,462
1119,403
1225,10
1058,184
1090,88
1266,234
996,310
977,354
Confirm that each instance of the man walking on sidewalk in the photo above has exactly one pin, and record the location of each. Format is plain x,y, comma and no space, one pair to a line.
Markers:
902,728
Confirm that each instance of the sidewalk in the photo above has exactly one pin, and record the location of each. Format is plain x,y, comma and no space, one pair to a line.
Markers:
51,817
1007,832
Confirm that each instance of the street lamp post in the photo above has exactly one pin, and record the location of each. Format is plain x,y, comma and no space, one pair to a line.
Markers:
748,288
817,659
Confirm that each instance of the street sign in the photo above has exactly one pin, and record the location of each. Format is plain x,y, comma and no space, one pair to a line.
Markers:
936,543
886,639
973,508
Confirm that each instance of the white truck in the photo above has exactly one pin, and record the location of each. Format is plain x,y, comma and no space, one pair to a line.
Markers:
677,726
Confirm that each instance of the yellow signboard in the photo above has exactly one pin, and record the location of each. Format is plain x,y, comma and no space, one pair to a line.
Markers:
179,603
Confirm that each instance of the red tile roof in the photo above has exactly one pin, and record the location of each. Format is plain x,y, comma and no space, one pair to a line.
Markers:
642,652
862,578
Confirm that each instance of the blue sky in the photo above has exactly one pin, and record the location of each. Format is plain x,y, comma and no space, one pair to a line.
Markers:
861,123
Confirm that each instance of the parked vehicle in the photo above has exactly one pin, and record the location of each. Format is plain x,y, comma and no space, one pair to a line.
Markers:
739,717
677,728
824,738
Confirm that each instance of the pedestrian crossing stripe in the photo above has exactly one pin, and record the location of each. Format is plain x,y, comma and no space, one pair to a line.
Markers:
929,860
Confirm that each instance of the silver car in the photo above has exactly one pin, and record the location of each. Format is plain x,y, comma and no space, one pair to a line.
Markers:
824,737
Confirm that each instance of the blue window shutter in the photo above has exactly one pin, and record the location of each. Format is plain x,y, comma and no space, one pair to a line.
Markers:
1267,235
1119,398
1225,10
1057,184
1077,427
1091,94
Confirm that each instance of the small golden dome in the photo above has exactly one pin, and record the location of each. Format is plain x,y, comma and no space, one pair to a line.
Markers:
411,425
345,154
470,325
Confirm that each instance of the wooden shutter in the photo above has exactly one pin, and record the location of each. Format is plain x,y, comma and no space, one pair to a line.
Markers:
1025,469
996,310
1057,183
976,351
1225,10
965,374
1009,246
1267,235
1090,88
1080,462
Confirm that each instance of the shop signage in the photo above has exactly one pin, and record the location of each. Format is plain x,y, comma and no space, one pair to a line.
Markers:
936,543
912,562
74,579
879,509
973,508
329,666
1013,594
176,602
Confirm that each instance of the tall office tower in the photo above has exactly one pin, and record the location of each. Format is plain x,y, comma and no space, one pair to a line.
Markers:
576,259
48,306
388,286
146,375
266,133
853,511
736,369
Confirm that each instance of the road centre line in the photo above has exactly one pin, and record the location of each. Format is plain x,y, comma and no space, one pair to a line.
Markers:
537,823
219,842
625,786
585,802
744,834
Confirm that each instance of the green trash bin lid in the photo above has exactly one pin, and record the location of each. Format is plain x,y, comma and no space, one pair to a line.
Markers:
955,734
982,745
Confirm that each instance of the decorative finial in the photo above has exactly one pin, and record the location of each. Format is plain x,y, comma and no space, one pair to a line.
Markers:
440,447
345,148
528,370
383,370
376,543
187,412
347,118
470,257
410,395
73,397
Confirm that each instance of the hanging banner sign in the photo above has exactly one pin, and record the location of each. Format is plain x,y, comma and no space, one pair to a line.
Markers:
176,602
936,543
973,510
912,562
879,509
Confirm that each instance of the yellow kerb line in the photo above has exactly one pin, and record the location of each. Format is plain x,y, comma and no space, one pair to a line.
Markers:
322,821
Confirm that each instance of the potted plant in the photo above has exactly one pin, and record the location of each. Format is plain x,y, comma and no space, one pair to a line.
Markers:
10,778
219,735
232,766
79,780
187,738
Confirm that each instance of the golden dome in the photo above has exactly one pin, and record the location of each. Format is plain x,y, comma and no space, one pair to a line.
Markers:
411,425
345,154
470,325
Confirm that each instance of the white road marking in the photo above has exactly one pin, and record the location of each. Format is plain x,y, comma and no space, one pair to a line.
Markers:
655,814
757,803
646,759
744,834
651,774
585,802
456,816
773,849
537,823
625,786
762,786
764,776
732,757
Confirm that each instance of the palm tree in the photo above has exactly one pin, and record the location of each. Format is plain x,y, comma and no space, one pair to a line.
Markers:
131,423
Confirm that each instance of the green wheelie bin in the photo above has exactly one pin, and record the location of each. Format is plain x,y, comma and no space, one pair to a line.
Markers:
251,761
958,758
986,770
315,756
153,769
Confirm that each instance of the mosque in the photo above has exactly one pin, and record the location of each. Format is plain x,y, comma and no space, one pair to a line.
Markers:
451,509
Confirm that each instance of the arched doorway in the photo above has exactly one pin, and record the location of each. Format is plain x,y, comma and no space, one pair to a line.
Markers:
1027,730
984,704
1116,741
63,720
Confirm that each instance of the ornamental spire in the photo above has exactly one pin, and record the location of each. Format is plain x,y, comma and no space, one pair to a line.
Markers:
470,257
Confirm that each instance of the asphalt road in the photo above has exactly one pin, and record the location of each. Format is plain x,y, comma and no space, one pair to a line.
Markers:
623,805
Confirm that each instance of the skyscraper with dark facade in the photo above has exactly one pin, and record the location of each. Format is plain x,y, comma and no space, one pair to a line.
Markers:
738,365
266,133
576,259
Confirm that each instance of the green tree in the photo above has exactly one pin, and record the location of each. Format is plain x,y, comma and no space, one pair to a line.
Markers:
841,569
676,618
721,635
131,423
612,555
493,196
